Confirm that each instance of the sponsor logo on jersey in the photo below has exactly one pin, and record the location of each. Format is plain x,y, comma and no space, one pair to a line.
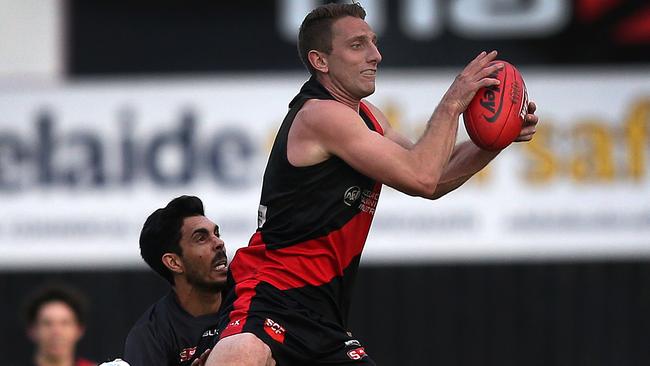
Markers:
187,354
235,323
210,333
368,202
275,330
357,353
351,195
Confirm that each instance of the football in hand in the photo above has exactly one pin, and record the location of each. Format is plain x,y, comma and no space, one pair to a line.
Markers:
495,116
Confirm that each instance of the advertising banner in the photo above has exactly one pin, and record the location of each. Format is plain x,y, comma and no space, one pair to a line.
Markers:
83,164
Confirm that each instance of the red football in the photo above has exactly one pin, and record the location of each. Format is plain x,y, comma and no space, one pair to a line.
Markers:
495,116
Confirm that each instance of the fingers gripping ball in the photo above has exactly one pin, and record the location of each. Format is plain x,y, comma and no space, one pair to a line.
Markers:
495,116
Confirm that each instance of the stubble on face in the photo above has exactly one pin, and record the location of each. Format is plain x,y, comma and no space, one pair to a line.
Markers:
205,267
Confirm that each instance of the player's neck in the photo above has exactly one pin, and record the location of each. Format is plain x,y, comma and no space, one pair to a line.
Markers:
339,93
197,301
42,359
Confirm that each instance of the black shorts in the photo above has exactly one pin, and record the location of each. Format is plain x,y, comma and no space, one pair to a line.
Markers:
295,334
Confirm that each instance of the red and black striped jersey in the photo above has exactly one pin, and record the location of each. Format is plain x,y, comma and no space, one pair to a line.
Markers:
313,223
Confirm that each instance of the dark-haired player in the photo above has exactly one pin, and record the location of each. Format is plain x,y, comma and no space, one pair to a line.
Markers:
333,152
185,248
56,322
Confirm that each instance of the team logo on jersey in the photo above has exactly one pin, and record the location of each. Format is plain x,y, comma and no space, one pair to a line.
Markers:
187,353
351,195
357,353
275,330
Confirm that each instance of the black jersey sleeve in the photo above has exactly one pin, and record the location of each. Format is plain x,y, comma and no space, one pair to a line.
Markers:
143,348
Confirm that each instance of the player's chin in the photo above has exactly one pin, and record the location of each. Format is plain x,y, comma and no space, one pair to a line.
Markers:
217,279
220,283
219,275
366,89
57,349
213,284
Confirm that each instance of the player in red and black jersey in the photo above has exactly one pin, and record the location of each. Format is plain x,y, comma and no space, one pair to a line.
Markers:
290,288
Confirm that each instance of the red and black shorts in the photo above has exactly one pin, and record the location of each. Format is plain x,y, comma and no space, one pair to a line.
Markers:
295,334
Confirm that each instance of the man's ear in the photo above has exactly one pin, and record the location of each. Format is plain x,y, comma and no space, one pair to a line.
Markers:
318,60
81,331
31,333
173,262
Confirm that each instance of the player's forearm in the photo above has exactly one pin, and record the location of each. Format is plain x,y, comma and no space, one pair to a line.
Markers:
433,151
466,160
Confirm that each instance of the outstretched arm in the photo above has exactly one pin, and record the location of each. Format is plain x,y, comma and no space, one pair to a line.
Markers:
324,127
466,158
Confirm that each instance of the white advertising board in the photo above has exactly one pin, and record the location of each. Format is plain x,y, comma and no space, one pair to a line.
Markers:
82,164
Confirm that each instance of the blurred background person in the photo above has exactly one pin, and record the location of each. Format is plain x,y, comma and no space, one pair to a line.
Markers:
56,322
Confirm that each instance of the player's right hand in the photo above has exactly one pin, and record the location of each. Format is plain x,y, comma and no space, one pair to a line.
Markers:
202,359
476,75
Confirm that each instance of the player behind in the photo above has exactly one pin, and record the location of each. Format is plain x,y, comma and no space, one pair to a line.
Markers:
185,248
332,153
56,322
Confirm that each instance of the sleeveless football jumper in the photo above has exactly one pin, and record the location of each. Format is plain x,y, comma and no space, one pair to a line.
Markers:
292,284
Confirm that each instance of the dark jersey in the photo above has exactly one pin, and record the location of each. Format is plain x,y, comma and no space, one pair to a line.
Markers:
313,223
168,335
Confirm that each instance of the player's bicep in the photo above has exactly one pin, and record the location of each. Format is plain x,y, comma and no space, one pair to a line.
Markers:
346,136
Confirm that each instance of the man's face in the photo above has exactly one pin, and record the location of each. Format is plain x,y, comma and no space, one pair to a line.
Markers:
204,253
352,64
56,330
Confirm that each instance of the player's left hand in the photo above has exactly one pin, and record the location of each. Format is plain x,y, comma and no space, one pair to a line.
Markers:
530,124
201,360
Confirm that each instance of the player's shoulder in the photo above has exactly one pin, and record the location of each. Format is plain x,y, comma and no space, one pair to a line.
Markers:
377,113
142,332
370,105
324,107
325,114
373,108
145,337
